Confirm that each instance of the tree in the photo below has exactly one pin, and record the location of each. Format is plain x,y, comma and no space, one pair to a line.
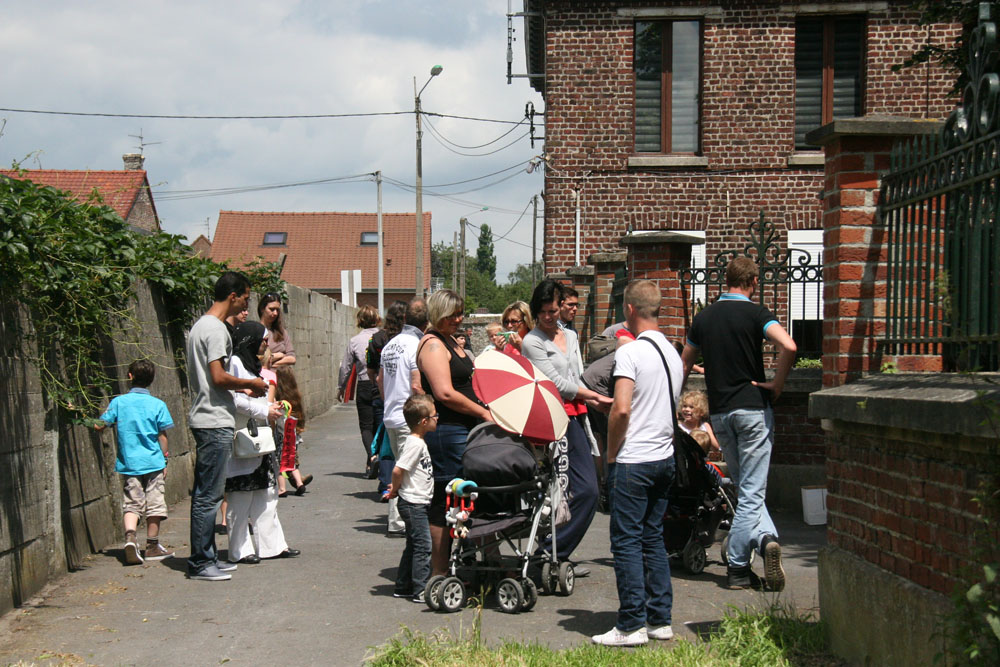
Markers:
486,261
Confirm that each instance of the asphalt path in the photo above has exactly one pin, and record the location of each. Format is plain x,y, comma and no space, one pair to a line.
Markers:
334,604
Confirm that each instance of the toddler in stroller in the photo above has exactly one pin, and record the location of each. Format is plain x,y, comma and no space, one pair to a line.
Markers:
696,512
508,497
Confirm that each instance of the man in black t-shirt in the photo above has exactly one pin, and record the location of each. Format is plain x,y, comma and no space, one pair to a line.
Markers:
728,335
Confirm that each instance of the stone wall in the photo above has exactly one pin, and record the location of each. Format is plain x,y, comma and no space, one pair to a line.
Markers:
60,496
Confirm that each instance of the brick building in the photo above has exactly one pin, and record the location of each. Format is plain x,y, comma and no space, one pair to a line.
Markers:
691,117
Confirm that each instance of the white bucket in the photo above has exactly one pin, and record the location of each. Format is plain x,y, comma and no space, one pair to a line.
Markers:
814,505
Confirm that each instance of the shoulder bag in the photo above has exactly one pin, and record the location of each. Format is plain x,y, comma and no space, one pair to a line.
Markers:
689,458
252,441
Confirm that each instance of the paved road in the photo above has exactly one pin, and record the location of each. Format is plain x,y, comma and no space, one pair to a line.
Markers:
334,604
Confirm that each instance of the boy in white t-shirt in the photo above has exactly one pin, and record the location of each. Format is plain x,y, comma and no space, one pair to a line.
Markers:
413,483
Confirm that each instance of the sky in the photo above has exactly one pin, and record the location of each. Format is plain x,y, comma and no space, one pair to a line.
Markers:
256,58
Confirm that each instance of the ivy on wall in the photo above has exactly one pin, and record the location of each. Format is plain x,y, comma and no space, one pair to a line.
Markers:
71,266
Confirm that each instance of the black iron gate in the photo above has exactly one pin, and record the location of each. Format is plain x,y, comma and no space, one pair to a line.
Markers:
790,284
940,204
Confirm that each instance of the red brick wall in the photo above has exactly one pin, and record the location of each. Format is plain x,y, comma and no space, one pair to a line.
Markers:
906,508
748,125
798,438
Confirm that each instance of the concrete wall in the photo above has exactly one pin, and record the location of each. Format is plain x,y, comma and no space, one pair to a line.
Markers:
61,497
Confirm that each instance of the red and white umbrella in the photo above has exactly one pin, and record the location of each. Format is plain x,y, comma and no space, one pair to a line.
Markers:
520,397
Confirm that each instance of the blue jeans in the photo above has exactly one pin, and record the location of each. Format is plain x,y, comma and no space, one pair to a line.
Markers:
637,493
214,446
415,564
446,445
747,437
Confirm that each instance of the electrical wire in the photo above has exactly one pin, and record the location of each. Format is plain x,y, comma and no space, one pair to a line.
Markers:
92,114
441,140
176,195
472,148
479,178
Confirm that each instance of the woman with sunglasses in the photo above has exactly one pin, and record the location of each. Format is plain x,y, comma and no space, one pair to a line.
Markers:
446,374
278,340
517,322
554,351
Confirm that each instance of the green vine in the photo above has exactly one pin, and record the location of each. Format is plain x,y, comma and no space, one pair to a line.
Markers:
69,268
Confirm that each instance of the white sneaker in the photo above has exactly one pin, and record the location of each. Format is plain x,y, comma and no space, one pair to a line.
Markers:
615,637
132,554
661,632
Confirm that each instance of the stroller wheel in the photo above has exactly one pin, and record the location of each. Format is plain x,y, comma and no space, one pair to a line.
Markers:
432,592
510,596
567,578
725,552
548,579
530,594
452,594
694,557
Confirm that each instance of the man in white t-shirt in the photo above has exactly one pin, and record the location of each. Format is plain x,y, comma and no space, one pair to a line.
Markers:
398,379
641,471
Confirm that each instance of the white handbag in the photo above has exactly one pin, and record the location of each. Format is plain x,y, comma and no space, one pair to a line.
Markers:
252,441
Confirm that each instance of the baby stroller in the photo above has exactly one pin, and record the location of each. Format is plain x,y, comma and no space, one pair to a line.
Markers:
505,503
695,512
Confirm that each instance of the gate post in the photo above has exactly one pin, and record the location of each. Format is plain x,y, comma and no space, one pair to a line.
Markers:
855,250
660,257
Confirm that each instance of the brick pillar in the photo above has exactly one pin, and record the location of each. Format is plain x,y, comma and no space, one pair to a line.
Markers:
660,257
583,282
855,250
606,265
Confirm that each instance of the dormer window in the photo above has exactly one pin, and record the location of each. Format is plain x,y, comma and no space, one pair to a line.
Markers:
369,238
275,238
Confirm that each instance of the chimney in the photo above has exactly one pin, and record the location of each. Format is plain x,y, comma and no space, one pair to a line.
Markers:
133,161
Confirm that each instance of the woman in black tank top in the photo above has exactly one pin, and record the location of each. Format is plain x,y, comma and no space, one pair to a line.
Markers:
446,375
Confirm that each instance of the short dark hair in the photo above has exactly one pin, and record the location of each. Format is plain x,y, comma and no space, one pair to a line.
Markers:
416,313
416,408
547,291
570,291
143,372
231,282
740,272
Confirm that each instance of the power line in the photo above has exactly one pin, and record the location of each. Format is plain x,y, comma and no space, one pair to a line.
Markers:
175,195
472,148
441,140
95,114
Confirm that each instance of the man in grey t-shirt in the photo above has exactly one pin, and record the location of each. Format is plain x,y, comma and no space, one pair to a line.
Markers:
213,418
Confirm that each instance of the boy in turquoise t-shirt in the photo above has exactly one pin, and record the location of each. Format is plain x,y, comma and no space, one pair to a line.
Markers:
141,422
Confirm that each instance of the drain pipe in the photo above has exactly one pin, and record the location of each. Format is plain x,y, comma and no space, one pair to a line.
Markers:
576,194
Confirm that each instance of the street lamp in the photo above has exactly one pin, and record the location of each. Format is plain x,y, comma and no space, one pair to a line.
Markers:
420,179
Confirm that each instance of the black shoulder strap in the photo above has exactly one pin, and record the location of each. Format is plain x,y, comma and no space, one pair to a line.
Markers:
670,382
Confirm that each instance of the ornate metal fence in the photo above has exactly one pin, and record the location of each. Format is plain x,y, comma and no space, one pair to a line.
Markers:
940,204
790,283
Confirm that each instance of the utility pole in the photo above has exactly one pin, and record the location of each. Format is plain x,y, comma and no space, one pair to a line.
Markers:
461,290
420,183
534,235
381,260
454,261
419,291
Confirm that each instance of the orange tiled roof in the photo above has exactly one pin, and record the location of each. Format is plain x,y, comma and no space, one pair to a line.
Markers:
119,189
320,245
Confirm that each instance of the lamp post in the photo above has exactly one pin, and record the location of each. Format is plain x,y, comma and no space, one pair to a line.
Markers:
420,178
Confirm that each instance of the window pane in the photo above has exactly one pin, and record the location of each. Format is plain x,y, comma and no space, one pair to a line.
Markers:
369,238
808,78
848,39
648,74
684,90
275,238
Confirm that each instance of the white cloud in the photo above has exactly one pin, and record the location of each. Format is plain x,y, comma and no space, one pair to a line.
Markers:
271,58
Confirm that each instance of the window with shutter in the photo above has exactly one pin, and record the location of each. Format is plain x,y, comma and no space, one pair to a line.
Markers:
829,57
667,65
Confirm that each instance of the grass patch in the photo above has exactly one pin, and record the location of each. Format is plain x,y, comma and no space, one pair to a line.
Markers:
775,636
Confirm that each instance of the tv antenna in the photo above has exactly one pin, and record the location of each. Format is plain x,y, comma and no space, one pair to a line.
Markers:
142,143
